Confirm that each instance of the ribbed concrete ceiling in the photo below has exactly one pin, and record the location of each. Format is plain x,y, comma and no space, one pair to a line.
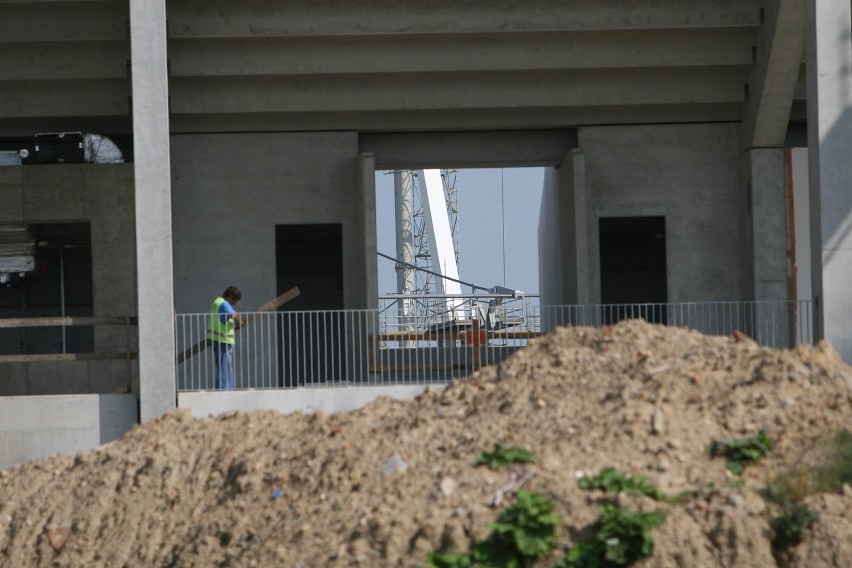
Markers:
401,65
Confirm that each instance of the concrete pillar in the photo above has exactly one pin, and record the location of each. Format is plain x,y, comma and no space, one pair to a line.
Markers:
829,69
582,224
563,234
367,188
769,224
773,321
153,207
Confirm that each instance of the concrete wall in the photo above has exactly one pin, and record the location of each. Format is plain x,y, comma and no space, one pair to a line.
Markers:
327,400
687,173
229,191
101,194
33,427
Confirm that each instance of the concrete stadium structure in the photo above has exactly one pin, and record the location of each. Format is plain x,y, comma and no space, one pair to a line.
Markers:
241,116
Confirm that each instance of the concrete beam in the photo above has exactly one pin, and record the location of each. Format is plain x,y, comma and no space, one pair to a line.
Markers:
25,126
63,21
153,208
772,81
430,120
225,18
312,55
95,97
342,93
79,59
468,149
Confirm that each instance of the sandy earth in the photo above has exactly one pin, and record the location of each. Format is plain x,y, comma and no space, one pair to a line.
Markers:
385,485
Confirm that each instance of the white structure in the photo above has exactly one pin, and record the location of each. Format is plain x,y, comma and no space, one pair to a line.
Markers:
441,244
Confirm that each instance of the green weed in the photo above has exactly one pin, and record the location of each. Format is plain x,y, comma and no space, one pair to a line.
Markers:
622,538
503,456
524,531
742,452
789,519
448,560
611,480
836,467
791,525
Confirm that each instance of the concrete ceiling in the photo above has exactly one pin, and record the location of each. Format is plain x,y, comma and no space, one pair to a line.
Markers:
410,65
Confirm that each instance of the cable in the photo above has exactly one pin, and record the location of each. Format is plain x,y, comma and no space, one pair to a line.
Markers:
438,274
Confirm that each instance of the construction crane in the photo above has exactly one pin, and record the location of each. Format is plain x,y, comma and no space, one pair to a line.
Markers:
433,242
426,238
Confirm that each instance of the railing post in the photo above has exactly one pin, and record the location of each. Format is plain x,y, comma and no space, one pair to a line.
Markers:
475,342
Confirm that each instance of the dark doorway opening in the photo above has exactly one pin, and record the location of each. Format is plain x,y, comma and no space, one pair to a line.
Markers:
59,285
633,268
310,257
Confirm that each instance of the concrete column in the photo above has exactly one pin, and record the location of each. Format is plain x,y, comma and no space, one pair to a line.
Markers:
563,234
771,268
153,207
367,188
582,223
769,223
829,68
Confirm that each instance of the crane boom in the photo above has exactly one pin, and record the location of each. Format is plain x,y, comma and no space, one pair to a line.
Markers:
440,238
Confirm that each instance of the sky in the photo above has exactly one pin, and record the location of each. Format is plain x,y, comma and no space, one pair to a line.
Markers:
486,222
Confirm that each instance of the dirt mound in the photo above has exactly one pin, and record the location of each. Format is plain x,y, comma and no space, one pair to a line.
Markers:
387,484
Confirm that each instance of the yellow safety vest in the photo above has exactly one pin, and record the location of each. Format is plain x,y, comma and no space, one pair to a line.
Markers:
216,330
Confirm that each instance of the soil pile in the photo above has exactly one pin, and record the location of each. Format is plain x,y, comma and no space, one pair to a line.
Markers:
387,484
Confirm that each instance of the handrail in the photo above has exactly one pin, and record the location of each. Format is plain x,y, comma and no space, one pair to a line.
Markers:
66,321
72,321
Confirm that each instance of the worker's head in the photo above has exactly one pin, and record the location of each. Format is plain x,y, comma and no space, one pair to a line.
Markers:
232,294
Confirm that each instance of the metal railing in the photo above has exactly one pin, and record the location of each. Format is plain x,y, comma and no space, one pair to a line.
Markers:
280,349
433,340
779,324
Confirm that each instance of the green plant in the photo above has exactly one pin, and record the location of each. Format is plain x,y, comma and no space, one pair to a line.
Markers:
448,560
790,487
611,480
836,468
524,531
503,456
742,452
789,528
622,538
791,519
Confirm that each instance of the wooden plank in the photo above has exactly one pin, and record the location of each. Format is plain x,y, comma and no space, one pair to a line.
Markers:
418,336
267,307
54,357
290,294
419,368
59,321
429,336
515,334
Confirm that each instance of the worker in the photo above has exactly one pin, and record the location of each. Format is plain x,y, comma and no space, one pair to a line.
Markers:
224,320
